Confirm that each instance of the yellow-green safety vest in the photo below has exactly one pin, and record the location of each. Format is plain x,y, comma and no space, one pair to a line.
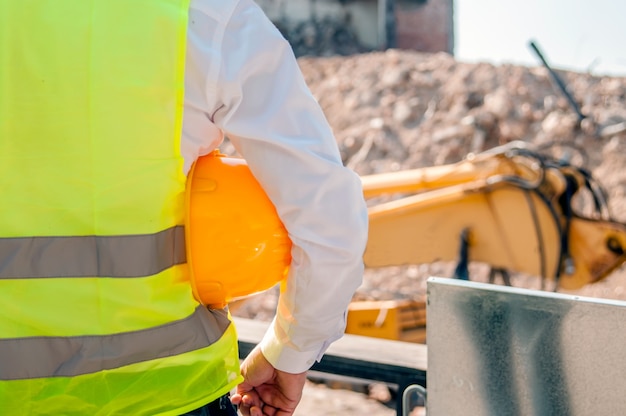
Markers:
98,317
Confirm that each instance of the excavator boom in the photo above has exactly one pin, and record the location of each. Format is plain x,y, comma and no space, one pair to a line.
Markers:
509,207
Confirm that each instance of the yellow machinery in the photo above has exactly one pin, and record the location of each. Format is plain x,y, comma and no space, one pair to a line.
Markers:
510,207
402,320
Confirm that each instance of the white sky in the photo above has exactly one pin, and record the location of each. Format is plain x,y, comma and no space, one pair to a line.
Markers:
579,35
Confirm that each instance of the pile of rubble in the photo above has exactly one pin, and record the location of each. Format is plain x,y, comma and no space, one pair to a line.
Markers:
409,109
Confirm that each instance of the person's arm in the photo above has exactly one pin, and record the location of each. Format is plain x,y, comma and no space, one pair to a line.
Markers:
275,123
264,107
266,390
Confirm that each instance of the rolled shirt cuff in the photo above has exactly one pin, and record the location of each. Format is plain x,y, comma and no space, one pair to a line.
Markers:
284,356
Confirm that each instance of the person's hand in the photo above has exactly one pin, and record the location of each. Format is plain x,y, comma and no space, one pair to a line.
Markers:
265,390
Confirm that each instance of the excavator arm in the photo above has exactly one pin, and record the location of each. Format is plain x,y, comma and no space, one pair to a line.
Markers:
509,207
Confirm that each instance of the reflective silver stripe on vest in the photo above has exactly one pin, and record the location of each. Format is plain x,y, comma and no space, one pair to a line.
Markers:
40,357
92,256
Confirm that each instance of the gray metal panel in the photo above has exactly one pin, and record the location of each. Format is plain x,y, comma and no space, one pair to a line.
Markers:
501,351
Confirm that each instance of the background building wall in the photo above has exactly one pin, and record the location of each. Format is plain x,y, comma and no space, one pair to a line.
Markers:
330,27
425,27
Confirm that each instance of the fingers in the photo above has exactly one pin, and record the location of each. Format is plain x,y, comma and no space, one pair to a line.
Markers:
236,399
266,410
264,400
278,398
246,404
251,403
269,410
265,390
250,411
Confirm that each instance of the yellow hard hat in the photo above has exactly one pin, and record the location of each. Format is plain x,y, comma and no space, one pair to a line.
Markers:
236,244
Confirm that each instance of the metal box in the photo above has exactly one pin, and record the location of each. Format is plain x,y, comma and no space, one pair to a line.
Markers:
502,351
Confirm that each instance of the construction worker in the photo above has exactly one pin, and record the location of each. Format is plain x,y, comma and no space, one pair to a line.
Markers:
104,106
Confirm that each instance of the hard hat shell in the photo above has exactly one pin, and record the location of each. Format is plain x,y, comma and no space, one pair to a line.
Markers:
236,244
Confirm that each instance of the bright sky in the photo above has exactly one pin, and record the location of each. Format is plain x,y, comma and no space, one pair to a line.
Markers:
579,35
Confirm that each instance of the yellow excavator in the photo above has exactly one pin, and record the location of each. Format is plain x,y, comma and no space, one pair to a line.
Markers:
511,207
515,208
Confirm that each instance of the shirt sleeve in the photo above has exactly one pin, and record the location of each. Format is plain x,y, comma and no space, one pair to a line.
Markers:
265,108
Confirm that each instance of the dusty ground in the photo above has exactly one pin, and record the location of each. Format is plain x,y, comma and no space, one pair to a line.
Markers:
318,399
397,110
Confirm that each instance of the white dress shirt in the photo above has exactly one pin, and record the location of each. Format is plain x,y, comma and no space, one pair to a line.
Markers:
242,80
